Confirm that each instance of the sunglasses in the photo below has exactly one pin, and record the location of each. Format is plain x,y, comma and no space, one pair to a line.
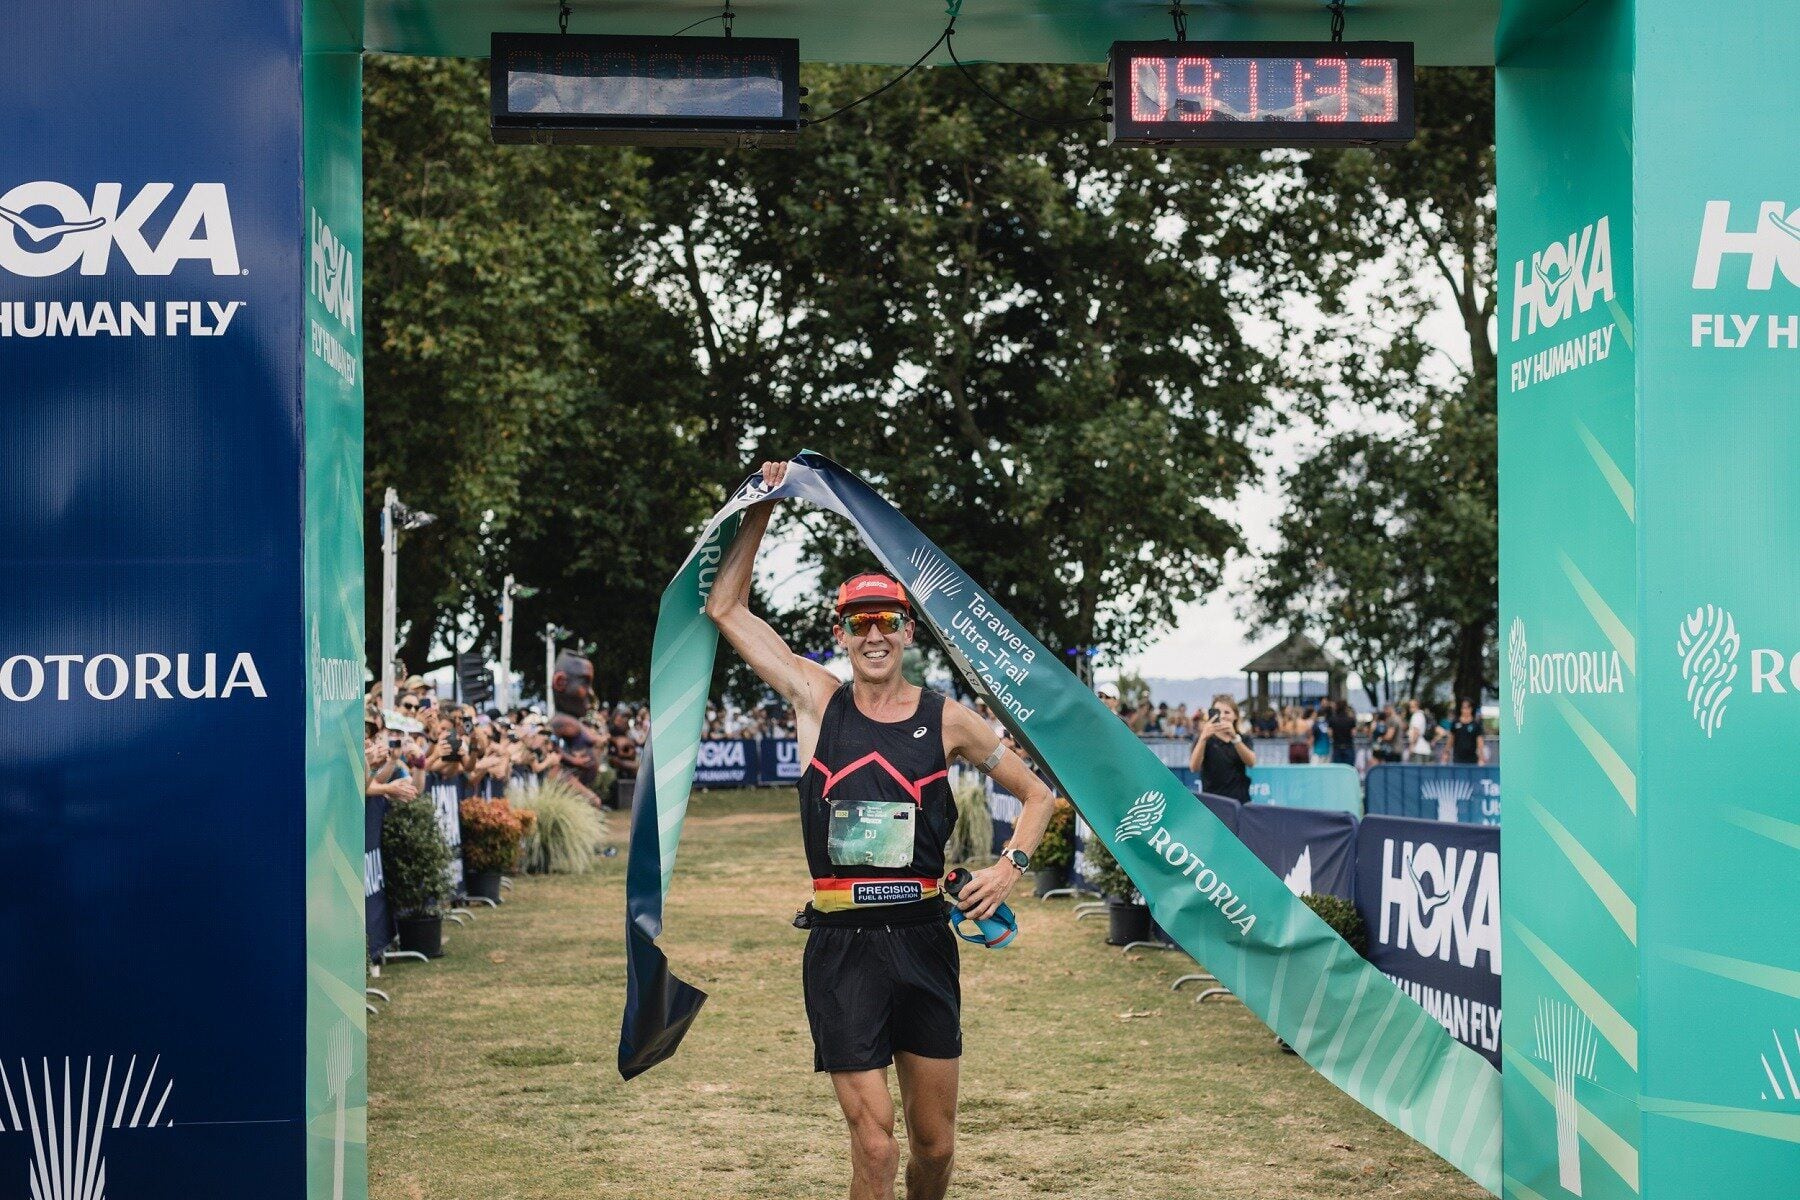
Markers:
888,621
409,706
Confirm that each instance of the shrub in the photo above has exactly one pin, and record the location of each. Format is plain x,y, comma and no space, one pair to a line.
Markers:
1058,847
1342,916
565,832
973,835
1107,875
491,832
415,859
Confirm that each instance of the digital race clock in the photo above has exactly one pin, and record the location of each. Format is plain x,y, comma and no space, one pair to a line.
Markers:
1261,93
644,91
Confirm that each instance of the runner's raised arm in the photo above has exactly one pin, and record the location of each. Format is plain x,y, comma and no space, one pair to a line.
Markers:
802,683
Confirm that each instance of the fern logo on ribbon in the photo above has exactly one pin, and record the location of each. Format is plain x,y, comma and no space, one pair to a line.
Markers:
1449,794
67,1127
1708,644
1145,813
1565,1040
1518,662
933,575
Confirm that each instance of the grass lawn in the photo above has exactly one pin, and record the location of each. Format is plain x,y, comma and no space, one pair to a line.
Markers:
491,1074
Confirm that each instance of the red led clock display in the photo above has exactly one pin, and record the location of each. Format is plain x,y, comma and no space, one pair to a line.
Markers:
1261,93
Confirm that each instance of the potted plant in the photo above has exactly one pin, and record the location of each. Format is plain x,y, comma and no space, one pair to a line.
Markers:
491,833
1343,918
1127,917
1056,853
415,862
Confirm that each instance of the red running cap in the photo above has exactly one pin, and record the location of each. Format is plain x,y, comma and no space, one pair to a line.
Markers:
871,589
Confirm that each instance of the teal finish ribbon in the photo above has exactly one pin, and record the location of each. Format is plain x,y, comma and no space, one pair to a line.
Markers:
1204,887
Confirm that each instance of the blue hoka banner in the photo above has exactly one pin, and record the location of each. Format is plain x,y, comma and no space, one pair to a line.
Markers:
1430,894
1312,850
1467,794
157,675
1331,786
378,917
1228,811
726,763
778,760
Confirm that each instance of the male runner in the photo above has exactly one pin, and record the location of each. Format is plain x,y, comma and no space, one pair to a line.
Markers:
881,966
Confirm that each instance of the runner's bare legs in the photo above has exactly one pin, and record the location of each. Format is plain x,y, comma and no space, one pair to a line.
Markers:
869,1111
928,1094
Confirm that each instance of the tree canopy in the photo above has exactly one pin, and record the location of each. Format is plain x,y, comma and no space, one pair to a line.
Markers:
1034,344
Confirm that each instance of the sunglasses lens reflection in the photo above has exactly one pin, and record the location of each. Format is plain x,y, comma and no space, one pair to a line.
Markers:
859,624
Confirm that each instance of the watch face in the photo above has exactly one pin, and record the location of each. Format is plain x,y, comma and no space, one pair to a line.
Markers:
1019,858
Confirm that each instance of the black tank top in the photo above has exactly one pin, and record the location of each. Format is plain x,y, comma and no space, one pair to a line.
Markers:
876,811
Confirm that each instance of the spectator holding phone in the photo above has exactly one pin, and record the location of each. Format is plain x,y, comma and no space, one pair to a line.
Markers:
387,774
1221,757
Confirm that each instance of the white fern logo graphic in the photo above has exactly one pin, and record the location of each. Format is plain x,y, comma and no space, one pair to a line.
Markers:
1299,879
338,1063
935,576
1708,645
1565,1040
1450,795
65,1151
1518,662
1143,815
1775,1092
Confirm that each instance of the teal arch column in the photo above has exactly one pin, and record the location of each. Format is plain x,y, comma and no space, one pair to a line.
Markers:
1649,396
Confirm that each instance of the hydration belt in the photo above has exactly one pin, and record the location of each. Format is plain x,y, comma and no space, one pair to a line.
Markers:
837,895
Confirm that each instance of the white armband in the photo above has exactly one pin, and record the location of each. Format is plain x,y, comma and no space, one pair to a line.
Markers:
986,766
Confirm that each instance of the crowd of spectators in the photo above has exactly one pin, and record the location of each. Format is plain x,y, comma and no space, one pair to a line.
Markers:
769,720
431,744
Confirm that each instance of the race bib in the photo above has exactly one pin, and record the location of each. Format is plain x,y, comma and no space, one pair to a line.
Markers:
871,833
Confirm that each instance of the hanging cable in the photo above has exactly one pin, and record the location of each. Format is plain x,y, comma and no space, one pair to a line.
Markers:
562,16
944,39
917,62
1179,16
729,17
1337,20
697,24
950,44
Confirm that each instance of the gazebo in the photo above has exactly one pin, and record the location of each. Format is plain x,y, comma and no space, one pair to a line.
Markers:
1299,656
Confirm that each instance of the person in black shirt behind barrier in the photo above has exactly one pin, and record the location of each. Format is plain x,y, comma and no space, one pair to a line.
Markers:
1220,756
1466,743
1342,720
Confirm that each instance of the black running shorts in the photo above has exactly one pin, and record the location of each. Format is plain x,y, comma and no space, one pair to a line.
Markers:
877,989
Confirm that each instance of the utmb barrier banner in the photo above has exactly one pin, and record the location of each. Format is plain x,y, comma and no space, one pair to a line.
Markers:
1203,885
1435,793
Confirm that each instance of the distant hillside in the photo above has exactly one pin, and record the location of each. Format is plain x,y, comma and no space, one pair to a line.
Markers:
1195,693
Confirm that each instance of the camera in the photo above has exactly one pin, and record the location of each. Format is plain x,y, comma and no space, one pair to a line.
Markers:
393,743
455,744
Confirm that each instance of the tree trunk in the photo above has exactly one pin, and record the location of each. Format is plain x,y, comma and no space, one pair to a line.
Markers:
1471,662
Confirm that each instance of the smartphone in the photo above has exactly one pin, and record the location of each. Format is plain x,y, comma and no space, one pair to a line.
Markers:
393,743
1212,714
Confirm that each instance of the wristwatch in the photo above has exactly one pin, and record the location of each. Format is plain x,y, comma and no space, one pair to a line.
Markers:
1017,858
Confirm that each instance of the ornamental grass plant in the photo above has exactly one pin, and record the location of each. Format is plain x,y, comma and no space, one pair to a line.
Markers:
565,831
972,837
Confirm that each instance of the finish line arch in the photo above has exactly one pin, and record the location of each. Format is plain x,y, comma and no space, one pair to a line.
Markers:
180,253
